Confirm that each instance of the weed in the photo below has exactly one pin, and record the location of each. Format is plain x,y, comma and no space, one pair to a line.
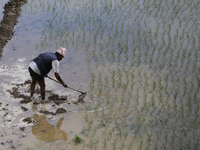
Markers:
77,139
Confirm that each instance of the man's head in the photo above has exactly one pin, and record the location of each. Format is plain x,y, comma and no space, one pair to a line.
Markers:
60,53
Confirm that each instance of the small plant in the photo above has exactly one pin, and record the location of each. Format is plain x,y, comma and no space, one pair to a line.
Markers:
77,139
2,25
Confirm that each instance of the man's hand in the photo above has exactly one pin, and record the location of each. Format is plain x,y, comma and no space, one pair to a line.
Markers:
65,85
60,80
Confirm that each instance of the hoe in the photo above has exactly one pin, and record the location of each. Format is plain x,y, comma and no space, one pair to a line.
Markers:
80,98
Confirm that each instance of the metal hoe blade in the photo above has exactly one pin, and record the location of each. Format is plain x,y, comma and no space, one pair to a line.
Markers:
81,97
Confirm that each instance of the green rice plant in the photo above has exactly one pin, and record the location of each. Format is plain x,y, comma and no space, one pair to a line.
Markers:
104,143
130,144
77,139
115,144
141,143
155,146
122,144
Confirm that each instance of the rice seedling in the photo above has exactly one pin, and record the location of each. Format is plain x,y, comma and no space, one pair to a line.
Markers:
77,139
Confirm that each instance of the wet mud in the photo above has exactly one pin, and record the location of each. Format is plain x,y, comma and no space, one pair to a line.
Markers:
53,98
11,12
28,120
38,118
24,121
58,111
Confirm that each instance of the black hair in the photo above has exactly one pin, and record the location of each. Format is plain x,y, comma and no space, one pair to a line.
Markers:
58,54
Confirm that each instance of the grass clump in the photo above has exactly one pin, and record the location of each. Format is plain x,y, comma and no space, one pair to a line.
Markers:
77,139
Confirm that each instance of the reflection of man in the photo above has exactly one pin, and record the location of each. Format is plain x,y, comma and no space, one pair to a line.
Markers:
46,132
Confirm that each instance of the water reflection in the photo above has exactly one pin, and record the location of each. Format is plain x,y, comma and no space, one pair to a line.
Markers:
44,131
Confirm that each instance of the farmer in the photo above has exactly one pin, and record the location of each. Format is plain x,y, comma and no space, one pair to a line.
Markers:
42,65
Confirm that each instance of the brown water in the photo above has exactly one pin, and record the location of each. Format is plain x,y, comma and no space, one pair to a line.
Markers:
17,54
139,59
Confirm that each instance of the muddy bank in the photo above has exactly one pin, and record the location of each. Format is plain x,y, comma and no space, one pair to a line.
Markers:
21,91
52,97
2,3
33,118
11,13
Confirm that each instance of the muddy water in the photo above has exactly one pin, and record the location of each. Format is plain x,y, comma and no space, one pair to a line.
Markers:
14,71
28,124
36,121
139,59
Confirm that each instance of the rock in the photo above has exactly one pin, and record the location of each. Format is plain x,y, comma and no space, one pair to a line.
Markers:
47,112
22,128
24,108
28,120
25,101
61,110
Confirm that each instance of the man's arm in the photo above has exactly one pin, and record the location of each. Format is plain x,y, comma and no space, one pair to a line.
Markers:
55,66
60,80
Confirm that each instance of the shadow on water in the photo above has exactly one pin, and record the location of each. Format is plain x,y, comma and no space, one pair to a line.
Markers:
44,131
11,12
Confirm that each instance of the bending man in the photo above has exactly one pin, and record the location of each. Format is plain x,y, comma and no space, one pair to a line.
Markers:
42,65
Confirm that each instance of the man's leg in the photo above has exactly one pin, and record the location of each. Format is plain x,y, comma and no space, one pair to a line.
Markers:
42,89
33,83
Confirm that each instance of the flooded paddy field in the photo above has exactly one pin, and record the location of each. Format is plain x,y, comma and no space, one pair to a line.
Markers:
138,61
